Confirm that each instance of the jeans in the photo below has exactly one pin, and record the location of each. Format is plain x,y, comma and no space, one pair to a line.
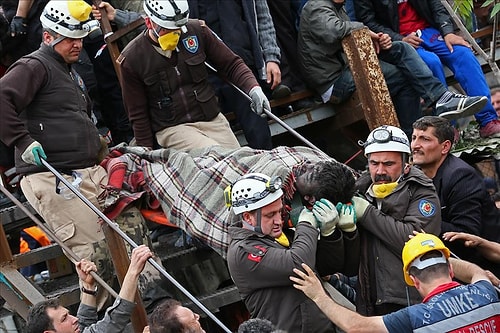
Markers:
464,66
408,78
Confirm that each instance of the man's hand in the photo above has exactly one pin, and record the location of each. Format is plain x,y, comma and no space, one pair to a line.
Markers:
360,206
33,154
469,240
327,216
308,282
83,268
259,101
375,39
273,74
18,26
138,259
413,40
308,216
452,39
110,11
385,41
347,217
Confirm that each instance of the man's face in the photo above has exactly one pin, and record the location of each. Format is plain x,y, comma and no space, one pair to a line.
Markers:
385,167
425,147
495,100
189,319
271,222
69,48
305,184
62,321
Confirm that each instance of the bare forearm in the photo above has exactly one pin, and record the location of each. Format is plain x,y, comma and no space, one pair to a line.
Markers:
467,272
129,286
23,8
348,320
490,250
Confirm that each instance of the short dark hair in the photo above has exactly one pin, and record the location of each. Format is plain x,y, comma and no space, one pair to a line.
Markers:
38,320
335,181
427,274
442,128
164,320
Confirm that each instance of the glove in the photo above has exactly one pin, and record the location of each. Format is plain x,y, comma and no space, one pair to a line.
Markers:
347,217
360,206
18,26
259,101
327,216
33,154
307,216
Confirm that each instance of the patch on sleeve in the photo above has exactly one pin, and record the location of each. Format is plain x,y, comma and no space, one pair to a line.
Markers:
257,253
426,208
191,44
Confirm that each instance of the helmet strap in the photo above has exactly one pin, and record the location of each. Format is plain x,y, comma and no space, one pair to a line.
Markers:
256,228
57,40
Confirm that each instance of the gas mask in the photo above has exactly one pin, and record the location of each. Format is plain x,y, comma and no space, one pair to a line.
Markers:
169,41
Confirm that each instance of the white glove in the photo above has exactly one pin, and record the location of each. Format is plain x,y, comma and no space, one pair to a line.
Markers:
307,216
33,153
360,206
347,217
259,101
327,216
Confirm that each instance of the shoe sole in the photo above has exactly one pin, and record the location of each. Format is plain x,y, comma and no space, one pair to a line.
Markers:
468,111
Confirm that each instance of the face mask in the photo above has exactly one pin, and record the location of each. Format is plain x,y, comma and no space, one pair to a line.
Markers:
283,240
169,41
380,191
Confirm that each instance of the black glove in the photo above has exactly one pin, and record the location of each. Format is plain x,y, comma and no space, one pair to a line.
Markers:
18,26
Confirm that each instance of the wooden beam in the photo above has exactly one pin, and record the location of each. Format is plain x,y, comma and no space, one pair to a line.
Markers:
370,84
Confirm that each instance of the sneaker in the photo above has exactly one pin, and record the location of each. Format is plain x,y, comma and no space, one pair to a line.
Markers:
460,106
491,130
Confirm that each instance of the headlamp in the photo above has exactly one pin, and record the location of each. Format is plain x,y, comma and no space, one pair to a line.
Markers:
383,135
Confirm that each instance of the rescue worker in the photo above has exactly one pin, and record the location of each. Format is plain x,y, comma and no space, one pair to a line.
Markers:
165,81
261,255
398,199
447,306
45,111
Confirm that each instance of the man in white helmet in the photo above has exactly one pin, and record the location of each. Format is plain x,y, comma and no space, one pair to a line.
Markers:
398,199
45,114
261,254
164,80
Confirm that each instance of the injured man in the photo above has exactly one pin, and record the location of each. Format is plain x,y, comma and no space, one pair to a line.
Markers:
190,185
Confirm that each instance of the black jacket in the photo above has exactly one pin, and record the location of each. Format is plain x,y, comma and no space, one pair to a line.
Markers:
382,15
465,206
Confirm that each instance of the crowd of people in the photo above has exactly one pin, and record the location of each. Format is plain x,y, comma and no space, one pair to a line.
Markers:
295,214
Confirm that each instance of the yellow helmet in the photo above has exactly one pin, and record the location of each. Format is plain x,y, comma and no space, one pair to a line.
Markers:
418,246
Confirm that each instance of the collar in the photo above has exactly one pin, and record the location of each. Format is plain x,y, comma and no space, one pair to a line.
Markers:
441,289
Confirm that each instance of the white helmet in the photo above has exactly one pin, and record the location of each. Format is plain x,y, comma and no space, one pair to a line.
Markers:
253,191
387,138
168,14
67,18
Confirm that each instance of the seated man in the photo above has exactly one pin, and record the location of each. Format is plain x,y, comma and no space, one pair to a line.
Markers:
323,25
261,254
465,204
400,199
427,26
49,315
428,267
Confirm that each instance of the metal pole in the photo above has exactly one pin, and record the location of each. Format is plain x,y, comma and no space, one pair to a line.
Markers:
271,115
74,258
115,227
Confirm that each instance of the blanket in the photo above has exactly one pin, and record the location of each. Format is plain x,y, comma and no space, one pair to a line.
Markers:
190,186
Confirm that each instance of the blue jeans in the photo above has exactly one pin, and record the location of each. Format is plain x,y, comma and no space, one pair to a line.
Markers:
462,63
408,78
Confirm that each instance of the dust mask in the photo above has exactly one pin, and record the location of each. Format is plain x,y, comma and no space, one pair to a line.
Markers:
380,191
169,41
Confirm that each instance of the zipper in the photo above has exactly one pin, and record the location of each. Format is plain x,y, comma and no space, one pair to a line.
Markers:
183,95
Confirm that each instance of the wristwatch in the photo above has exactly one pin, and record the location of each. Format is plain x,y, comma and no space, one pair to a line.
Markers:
90,292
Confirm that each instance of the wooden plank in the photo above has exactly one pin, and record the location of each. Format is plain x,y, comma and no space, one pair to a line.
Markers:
37,255
5,253
370,84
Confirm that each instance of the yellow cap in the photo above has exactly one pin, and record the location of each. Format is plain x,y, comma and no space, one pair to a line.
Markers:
418,246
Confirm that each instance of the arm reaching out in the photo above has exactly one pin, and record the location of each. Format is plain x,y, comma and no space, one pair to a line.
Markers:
346,319
489,250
